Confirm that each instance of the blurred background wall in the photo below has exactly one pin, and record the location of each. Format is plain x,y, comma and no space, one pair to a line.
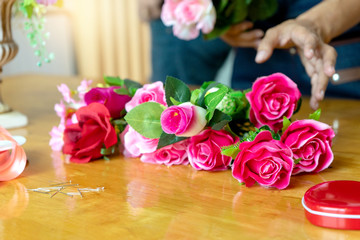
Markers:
90,38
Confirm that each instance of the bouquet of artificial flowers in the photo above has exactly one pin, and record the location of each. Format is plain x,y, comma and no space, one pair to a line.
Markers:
212,17
211,128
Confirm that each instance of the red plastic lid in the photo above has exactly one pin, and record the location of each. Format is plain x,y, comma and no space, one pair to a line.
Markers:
334,204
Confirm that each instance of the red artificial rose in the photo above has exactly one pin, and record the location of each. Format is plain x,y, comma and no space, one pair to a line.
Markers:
84,140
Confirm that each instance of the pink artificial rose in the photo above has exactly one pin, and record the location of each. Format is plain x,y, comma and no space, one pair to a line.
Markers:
135,144
264,160
311,142
184,120
174,154
204,150
153,92
272,98
188,17
46,2
113,101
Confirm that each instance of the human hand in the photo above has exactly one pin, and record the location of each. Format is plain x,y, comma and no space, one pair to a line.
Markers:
149,9
317,57
238,36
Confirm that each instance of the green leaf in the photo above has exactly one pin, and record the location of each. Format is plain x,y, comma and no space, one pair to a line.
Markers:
223,4
219,120
29,2
209,114
298,105
286,123
121,91
240,11
131,84
315,115
216,32
177,89
296,161
145,119
114,81
262,9
108,151
168,139
174,102
119,124
195,96
214,98
28,10
276,136
231,151
202,96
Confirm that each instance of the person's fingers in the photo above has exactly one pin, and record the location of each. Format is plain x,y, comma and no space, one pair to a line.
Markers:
239,28
267,45
322,81
144,14
155,11
306,40
319,81
309,66
149,9
329,58
247,39
314,103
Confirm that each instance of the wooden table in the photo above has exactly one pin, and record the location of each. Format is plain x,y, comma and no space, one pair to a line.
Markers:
143,201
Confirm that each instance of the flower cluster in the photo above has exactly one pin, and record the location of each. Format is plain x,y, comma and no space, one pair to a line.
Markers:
212,17
34,11
212,128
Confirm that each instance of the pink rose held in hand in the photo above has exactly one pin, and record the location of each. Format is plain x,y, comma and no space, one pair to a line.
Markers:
272,98
264,160
189,17
184,120
311,142
204,150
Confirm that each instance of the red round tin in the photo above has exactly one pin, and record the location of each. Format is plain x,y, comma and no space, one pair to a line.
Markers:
334,204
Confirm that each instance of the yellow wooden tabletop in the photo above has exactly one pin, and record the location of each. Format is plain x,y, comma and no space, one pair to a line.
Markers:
144,201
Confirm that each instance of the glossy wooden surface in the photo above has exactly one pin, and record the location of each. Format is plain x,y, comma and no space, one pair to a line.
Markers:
142,201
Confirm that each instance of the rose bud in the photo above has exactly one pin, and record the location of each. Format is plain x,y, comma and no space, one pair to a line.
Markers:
184,120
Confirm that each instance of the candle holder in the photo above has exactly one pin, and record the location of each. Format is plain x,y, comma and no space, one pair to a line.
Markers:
8,50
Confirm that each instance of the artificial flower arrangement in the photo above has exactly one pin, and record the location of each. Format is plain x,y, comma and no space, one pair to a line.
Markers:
212,128
212,17
34,11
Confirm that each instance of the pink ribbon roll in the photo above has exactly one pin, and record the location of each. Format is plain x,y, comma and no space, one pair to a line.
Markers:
12,157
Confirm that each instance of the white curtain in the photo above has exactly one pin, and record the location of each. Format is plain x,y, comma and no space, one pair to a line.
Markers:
110,39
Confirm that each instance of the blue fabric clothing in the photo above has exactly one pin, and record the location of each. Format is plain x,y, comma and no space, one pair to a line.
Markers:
192,61
246,70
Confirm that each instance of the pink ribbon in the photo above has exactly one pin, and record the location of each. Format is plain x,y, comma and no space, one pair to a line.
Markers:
12,157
